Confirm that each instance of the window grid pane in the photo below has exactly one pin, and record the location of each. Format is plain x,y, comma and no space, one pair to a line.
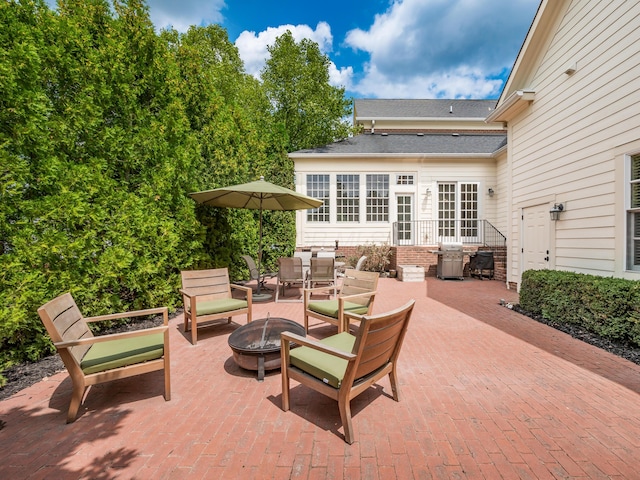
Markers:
318,187
404,217
446,209
633,225
404,179
469,210
377,198
348,198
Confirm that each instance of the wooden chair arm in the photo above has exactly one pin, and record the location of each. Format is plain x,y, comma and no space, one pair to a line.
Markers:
348,317
241,287
135,313
188,293
111,336
288,337
357,295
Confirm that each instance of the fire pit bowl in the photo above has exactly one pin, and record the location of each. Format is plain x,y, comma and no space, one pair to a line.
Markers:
256,345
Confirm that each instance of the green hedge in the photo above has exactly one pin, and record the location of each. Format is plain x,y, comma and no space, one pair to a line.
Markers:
609,307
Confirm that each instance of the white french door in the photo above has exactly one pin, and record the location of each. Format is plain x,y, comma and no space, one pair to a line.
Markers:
404,211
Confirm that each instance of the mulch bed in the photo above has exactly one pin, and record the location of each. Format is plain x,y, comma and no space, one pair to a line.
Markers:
24,375
621,349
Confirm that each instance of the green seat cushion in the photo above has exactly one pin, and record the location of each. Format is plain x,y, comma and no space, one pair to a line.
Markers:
220,306
122,352
329,308
326,367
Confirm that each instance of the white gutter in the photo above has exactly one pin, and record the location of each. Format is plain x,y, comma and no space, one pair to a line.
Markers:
513,104
325,156
422,119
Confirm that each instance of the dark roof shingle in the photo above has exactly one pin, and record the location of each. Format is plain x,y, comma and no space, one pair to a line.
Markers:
365,108
428,143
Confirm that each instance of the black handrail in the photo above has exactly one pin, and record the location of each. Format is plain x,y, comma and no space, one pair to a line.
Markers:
434,232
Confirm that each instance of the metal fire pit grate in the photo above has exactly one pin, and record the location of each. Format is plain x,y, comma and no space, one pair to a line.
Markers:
256,345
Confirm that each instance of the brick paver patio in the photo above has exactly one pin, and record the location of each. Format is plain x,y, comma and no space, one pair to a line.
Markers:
486,393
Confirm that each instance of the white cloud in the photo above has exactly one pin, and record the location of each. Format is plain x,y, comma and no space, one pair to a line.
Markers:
252,48
342,77
460,83
441,48
181,15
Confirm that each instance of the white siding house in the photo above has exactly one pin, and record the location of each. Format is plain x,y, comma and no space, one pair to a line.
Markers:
565,134
572,111
416,163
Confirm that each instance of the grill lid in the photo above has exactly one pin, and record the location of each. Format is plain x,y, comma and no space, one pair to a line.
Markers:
450,246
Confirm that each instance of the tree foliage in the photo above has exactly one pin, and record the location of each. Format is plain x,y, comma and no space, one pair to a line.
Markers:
105,127
296,79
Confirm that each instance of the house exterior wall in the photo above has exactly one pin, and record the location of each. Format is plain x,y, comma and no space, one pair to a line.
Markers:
427,171
570,145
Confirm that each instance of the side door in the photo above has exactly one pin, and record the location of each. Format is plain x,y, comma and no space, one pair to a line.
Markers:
535,237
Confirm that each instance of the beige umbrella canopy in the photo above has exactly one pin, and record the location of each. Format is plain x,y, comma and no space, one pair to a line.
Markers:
259,195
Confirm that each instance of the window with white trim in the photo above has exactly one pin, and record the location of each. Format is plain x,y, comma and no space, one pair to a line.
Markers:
377,198
457,211
469,210
318,187
348,198
404,179
447,210
633,214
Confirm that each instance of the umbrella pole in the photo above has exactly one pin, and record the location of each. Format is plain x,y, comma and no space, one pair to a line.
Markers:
260,250
260,297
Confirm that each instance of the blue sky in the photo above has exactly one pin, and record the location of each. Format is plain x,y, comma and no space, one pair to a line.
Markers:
378,48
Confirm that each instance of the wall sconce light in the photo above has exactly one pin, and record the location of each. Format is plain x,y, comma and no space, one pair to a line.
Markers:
428,191
555,211
491,192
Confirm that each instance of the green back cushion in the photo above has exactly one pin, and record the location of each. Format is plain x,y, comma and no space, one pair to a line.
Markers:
122,352
220,306
329,308
328,368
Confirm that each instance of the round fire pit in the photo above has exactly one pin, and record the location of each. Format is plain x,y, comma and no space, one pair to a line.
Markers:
256,345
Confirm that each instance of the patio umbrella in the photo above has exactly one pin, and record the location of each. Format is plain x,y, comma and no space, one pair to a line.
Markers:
259,195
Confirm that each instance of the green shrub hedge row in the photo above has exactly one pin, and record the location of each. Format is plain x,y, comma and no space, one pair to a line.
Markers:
609,307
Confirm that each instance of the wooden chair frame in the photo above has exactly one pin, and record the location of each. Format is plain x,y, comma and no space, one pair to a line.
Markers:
375,354
72,338
357,287
208,285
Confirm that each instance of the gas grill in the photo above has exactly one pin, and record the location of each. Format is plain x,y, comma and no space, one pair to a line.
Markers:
450,260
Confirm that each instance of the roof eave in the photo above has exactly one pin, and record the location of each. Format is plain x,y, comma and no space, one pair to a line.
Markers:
422,119
302,156
512,106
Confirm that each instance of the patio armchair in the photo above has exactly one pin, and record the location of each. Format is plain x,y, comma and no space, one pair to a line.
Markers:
343,366
207,298
290,273
260,278
97,359
357,295
360,263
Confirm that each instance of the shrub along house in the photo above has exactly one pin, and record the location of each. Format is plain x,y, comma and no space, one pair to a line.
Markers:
562,184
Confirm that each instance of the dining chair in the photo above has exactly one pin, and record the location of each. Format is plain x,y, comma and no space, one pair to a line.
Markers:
290,274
